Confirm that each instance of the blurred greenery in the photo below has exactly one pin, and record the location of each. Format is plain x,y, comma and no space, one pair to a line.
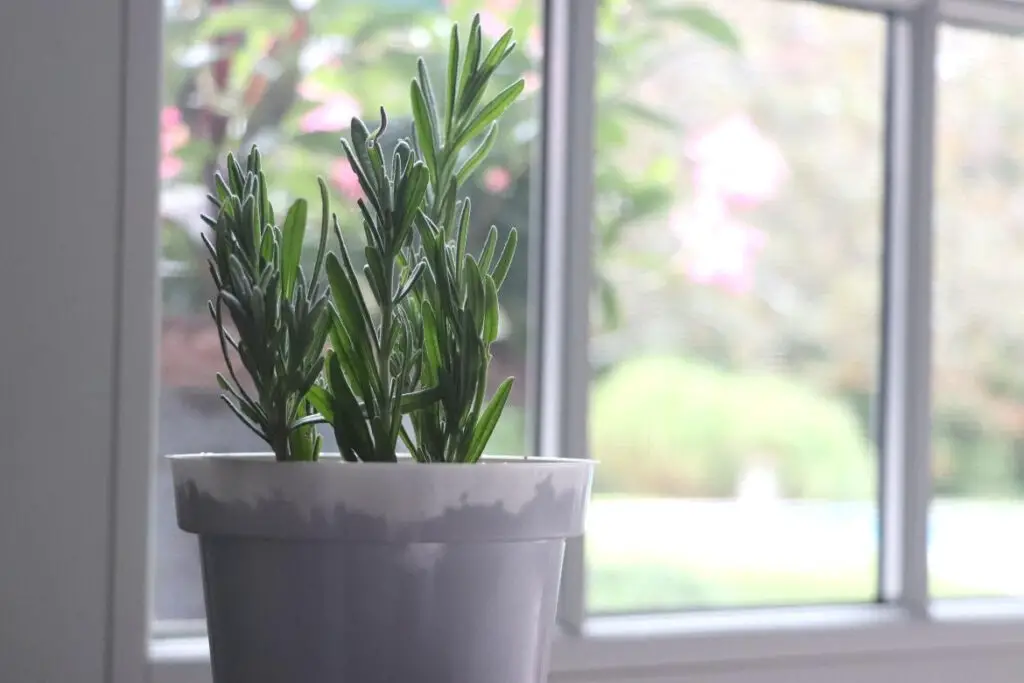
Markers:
676,427
627,586
245,71
693,385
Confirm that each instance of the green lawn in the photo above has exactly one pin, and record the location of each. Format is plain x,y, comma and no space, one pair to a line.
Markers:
656,555
658,587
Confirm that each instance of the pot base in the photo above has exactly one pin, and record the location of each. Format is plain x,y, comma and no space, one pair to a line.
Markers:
317,612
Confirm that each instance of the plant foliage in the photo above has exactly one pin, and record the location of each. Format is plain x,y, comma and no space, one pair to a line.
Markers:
458,302
373,366
410,335
428,352
280,317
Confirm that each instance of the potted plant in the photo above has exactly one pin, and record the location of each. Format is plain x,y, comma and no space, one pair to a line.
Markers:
439,566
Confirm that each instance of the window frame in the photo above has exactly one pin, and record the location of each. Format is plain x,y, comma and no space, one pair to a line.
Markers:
905,634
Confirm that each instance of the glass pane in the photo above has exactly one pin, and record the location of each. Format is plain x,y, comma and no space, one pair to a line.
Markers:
737,305
978,361
289,76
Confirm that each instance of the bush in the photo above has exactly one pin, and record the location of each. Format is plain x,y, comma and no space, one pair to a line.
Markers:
972,457
671,426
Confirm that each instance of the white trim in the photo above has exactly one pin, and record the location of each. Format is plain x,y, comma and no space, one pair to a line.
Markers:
134,400
906,370
79,201
567,199
756,643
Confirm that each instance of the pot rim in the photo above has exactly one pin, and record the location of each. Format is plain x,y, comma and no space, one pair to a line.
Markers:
497,498
334,459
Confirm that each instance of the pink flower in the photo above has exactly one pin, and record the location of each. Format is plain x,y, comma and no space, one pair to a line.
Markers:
497,179
173,135
491,25
716,249
312,91
345,179
736,162
170,167
531,82
334,114
534,47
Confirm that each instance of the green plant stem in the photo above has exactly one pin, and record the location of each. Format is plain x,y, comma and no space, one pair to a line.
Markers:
384,348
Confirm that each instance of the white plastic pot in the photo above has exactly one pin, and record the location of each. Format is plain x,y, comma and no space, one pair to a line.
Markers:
335,572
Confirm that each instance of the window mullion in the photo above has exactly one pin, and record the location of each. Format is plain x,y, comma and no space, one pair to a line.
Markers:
562,254
905,436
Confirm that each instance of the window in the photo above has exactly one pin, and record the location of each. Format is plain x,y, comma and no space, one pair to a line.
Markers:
738,288
977,462
726,293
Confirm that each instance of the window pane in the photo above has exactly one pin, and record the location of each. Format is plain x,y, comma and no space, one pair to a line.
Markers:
737,305
978,381
290,80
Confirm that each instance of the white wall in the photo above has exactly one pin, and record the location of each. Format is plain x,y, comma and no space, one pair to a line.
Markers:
78,82
70,608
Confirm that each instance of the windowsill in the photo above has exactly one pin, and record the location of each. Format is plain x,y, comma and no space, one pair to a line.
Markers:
738,638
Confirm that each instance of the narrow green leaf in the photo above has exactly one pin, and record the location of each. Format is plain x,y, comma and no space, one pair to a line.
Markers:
321,401
375,275
453,81
245,404
489,113
488,421
349,425
380,175
462,237
349,305
420,399
478,155
357,367
235,177
472,59
414,189
246,420
366,181
410,282
490,331
221,187
498,52
431,101
475,90
350,275
432,352
500,271
325,214
414,451
424,132
302,442
314,419
294,232
474,291
490,244
266,213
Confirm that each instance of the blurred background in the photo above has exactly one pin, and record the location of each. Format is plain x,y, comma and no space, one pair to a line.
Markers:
737,293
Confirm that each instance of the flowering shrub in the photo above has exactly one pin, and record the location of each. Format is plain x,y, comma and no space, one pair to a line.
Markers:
173,135
735,167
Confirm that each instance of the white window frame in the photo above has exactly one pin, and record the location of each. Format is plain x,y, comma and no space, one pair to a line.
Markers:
903,637
97,559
